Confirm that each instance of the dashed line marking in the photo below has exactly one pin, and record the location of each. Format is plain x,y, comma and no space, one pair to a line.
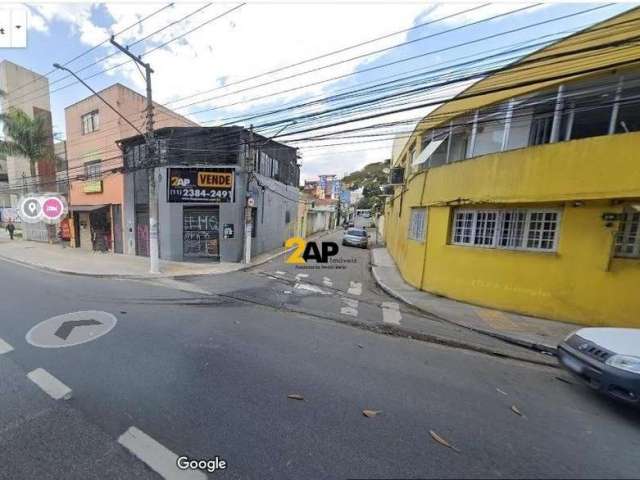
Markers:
278,272
351,308
50,384
355,288
158,457
308,287
300,276
391,313
327,282
5,347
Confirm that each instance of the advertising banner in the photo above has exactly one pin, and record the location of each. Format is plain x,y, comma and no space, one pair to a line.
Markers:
200,185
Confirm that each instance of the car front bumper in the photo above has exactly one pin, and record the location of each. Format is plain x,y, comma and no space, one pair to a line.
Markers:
611,381
355,243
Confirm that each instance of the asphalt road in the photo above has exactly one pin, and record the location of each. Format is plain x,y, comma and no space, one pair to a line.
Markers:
207,375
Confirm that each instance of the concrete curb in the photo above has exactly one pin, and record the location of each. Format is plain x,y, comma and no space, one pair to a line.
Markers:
546,349
147,276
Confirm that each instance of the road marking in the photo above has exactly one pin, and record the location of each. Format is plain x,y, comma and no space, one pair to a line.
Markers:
327,282
355,288
300,276
4,347
180,285
351,309
391,313
278,272
158,457
50,384
309,288
71,329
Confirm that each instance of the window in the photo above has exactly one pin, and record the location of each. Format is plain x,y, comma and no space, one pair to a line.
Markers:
287,216
418,224
628,238
93,170
90,122
519,229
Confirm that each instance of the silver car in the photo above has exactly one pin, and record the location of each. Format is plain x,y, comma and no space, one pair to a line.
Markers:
356,237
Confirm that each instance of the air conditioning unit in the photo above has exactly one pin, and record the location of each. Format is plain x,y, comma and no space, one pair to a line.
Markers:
396,176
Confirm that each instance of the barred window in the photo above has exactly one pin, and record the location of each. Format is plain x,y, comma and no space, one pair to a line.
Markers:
418,224
463,227
628,237
519,229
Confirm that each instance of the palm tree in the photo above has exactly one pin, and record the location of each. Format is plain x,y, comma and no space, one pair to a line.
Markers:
25,136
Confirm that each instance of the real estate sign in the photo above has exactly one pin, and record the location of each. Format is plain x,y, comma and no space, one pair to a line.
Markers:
200,185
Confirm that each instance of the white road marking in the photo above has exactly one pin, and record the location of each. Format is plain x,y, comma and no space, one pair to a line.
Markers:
355,288
4,347
391,313
299,276
310,288
278,272
327,282
158,457
50,384
351,309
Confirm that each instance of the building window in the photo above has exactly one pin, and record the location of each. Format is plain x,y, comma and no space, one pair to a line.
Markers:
519,229
628,238
90,122
287,216
93,170
418,224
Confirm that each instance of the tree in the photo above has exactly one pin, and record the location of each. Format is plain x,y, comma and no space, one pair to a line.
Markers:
26,137
370,178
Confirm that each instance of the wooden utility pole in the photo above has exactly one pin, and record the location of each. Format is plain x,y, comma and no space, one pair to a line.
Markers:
151,163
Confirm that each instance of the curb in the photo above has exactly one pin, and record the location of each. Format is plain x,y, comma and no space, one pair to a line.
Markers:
117,276
541,348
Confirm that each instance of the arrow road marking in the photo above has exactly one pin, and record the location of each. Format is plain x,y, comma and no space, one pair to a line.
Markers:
67,327
4,347
50,384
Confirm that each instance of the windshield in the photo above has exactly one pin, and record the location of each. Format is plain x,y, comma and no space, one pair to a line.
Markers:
319,239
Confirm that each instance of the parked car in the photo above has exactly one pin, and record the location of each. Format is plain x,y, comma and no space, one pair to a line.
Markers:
606,359
356,237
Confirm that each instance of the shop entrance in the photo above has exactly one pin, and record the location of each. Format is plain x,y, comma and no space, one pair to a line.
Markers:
201,233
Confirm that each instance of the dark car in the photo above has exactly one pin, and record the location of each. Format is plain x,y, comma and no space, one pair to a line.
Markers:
606,359
356,237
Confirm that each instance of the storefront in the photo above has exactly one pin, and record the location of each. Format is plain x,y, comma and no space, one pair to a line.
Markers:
97,228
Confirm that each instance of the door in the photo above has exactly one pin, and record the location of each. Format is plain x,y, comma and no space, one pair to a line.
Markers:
201,233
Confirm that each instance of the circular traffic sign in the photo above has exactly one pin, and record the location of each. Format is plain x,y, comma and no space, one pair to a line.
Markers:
52,209
71,329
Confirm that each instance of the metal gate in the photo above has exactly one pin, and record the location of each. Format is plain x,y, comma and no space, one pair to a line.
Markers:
201,232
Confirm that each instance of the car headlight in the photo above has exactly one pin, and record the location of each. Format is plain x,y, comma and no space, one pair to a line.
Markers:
624,362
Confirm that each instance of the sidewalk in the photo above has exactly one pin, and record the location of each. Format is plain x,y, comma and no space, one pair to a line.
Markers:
76,261
530,332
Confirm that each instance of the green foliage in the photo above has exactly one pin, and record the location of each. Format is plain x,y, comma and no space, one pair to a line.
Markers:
370,178
25,136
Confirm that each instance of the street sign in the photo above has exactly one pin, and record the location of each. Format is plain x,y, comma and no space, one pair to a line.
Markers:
200,185
71,329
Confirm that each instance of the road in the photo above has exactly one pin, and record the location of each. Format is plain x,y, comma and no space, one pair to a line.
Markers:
210,374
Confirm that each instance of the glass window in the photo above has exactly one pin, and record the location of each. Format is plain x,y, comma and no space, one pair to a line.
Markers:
628,237
485,228
417,224
93,170
629,111
512,229
542,229
463,227
90,122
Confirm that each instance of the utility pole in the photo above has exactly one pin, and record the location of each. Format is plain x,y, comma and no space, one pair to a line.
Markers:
154,250
250,162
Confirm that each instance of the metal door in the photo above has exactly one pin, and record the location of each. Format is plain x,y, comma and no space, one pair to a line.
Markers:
201,233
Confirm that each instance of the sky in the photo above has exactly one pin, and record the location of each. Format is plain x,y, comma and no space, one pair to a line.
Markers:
206,70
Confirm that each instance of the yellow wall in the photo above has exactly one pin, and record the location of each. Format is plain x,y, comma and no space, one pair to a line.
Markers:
576,283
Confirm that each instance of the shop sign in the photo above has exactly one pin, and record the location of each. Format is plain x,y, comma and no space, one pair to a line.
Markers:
92,186
200,185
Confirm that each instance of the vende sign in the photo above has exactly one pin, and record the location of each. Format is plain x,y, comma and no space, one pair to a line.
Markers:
48,208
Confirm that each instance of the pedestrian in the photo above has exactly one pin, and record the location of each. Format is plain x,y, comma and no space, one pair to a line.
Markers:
10,228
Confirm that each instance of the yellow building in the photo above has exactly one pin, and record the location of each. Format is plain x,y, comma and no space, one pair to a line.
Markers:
522,193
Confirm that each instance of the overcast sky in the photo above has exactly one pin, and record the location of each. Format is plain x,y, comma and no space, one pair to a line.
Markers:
265,37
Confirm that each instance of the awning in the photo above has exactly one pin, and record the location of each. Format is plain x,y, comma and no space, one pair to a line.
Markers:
428,151
86,208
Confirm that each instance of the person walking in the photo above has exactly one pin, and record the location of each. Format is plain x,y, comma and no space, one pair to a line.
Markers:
11,228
